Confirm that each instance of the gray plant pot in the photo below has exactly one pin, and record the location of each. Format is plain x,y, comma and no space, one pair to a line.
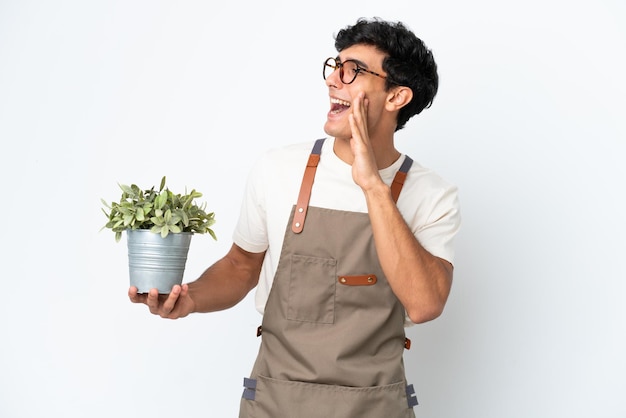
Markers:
156,262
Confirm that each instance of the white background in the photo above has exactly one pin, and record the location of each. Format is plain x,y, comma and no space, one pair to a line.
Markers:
528,122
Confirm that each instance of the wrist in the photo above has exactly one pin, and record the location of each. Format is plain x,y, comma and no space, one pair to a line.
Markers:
376,191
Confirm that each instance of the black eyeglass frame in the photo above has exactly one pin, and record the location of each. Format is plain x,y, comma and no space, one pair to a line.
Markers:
339,65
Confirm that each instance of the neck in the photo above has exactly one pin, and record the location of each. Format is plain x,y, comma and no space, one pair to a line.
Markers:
385,152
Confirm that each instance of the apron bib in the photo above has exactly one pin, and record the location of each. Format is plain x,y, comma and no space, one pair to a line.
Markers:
333,331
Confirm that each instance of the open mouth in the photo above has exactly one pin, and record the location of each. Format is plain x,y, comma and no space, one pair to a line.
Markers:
337,106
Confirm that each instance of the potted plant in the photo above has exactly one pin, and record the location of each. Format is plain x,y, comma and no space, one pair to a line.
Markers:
159,225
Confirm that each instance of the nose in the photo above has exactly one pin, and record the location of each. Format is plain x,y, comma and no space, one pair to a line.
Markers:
333,79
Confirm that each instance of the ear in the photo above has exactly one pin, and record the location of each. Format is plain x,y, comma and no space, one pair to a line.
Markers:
398,98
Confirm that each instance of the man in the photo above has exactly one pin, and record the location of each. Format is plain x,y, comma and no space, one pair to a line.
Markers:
346,255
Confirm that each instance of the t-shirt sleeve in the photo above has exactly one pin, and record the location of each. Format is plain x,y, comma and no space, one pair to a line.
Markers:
437,234
251,229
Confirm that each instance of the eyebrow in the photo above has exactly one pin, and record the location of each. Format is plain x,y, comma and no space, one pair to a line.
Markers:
358,62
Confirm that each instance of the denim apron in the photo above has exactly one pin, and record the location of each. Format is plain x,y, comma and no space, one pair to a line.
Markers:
333,331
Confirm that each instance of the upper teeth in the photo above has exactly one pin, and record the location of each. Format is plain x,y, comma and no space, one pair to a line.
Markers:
340,102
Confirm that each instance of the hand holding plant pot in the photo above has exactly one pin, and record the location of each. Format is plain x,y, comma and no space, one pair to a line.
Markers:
159,226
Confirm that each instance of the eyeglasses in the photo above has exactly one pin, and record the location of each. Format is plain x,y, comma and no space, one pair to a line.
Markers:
348,70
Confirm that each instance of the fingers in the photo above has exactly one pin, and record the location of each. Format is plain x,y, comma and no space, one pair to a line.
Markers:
158,304
364,167
134,295
153,301
170,303
162,305
358,118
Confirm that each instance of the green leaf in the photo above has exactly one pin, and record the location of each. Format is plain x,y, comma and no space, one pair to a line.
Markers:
162,184
160,200
105,203
128,219
127,189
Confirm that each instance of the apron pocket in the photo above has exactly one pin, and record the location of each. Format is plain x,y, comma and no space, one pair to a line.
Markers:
279,398
312,283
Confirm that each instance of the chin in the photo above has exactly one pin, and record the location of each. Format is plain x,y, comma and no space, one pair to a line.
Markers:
336,132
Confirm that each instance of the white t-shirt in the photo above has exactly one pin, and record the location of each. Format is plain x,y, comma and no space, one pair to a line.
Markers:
428,203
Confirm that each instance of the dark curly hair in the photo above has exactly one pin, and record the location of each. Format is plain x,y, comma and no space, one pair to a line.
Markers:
408,61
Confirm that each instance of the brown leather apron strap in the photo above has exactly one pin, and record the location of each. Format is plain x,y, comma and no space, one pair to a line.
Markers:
305,188
398,180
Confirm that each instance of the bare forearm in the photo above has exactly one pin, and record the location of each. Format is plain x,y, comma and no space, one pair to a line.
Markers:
226,282
420,280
